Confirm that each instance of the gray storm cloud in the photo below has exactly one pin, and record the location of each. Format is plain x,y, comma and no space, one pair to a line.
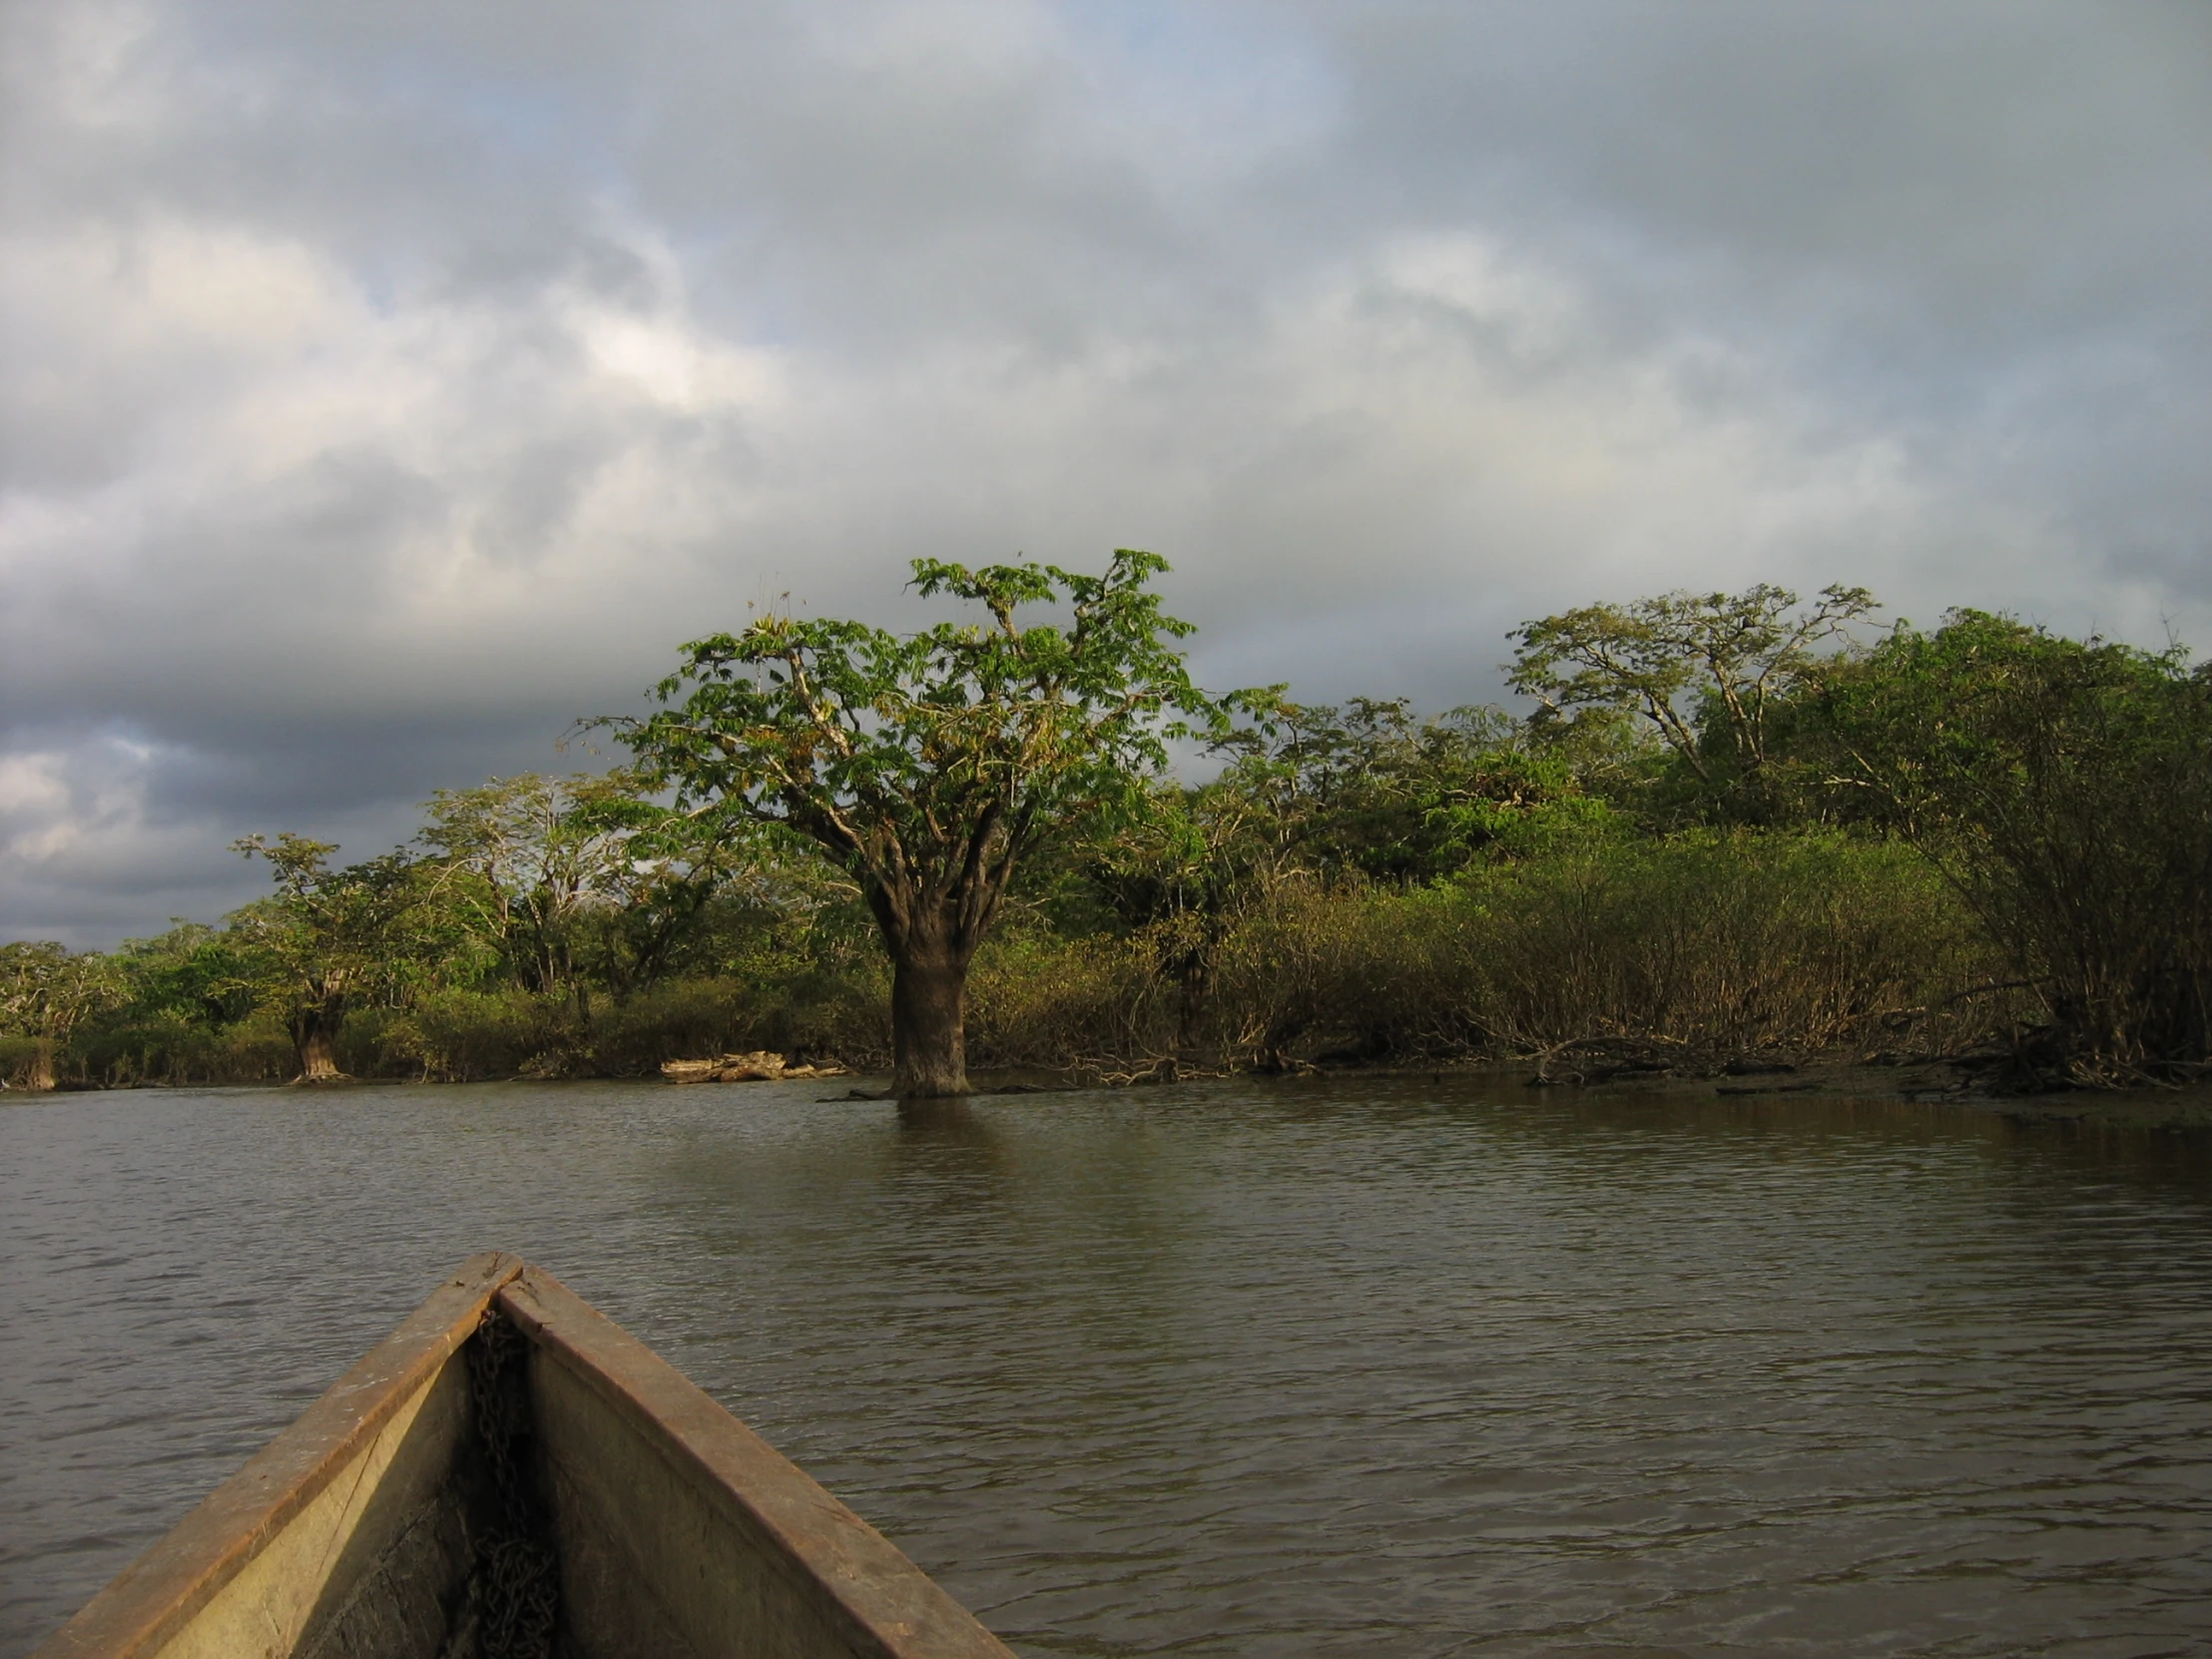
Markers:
386,386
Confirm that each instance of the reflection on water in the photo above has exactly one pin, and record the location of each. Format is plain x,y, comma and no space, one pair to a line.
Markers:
1384,1369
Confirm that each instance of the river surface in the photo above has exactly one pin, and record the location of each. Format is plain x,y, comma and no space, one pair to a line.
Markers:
1311,1369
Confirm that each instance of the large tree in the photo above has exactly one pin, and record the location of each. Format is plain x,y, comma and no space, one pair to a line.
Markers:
326,940
928,766
568,878
2065,788
45,992
1709,674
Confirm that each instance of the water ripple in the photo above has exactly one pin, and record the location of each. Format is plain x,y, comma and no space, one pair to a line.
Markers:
1309,1370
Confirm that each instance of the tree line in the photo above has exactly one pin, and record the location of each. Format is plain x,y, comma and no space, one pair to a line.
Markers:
1730,825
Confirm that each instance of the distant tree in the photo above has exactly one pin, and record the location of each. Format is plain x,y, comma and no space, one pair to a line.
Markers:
2065,786
45,992
193,973
1178,874
1710,674
683,877
515,870
1374,787
577,878
327,940
1366,790
927,767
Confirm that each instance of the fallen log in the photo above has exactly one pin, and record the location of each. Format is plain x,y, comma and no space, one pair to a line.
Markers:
760,1066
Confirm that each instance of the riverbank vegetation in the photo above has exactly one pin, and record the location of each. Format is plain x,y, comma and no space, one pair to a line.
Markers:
1730,828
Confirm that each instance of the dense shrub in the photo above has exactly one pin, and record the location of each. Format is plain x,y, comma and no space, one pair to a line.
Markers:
812,1018
1337,968
1703,943
17,1056
170,1048
1724,943
2065,786
462,1036
1035,999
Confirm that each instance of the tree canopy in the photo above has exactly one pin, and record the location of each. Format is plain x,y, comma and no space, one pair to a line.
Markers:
927,766
328,938
1726,826
1707,672
44,991
2065,786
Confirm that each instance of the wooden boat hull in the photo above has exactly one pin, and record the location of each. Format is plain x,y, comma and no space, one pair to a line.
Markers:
383,1523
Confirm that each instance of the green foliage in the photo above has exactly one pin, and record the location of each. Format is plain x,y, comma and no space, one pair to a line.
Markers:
1725,830
1713,676
562,880
1373,788
929,765
2065,786
193,973
1702,944
330,938
46,991
187,1012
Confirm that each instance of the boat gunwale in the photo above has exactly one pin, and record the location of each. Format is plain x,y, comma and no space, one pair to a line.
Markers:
180,1574
880,1604
887,1605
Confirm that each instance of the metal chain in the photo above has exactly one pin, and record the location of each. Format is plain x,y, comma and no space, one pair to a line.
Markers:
514,1592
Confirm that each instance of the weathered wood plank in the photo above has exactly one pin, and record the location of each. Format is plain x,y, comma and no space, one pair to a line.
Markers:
326,1463
740,1550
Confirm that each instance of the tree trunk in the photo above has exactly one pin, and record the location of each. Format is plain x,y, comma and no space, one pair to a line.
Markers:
928,1008
311,1032
39,1075
1194,977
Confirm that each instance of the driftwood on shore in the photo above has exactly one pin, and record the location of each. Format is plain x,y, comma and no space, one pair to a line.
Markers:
757,1067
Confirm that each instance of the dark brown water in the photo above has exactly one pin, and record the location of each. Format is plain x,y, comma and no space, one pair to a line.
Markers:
1316,1368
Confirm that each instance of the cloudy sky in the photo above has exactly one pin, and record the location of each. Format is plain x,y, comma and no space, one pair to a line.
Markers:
387,385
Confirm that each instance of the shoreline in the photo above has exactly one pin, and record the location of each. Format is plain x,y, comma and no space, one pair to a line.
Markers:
1925,1083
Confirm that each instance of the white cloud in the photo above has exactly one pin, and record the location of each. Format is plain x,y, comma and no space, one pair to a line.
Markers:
82,851
34,805
95,64
431,465
386,386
